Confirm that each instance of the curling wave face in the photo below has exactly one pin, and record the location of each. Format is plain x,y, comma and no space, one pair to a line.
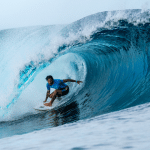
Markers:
108,51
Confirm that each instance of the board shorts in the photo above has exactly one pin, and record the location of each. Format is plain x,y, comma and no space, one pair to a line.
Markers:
65,91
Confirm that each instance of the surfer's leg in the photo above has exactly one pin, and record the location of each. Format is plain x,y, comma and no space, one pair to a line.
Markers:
53,96
65,91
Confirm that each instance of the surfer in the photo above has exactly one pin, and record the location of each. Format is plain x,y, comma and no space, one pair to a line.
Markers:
60,87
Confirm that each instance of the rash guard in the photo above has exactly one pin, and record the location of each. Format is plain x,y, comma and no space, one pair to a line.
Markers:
58,84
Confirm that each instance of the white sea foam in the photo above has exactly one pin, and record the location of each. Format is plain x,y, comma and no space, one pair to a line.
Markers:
119,130
68,66
123,129
21,46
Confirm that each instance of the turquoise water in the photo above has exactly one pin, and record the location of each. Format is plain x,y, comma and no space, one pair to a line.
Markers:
108,51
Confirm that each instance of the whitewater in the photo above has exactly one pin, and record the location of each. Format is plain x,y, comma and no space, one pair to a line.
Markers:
109,52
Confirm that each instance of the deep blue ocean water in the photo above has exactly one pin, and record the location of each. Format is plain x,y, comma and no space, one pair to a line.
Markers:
108,51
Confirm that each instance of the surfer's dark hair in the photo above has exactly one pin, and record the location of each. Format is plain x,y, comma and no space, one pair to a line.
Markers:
49,77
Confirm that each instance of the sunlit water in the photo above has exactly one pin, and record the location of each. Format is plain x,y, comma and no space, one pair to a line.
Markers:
109,52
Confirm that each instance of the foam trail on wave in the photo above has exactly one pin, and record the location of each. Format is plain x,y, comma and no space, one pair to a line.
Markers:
18,48
35,46
66,66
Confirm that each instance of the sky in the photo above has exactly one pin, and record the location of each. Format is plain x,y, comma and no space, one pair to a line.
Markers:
22,13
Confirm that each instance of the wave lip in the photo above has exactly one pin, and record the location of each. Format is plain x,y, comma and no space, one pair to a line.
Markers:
111,45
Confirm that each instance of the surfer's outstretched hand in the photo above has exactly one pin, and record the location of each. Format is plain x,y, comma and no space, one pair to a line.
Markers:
79,82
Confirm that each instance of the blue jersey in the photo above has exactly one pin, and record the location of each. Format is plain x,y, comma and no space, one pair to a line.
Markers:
58,84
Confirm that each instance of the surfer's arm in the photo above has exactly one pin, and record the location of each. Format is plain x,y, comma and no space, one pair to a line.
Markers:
47,95
71,80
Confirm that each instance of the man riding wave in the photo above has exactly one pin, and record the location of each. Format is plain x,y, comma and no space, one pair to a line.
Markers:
60,87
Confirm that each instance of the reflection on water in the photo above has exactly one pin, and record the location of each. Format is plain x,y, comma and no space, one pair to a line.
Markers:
63,115
53,118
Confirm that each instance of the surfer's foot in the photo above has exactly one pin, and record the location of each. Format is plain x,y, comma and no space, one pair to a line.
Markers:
44,101
48,104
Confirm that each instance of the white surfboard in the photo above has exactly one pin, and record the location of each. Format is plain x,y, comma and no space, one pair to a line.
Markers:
42,107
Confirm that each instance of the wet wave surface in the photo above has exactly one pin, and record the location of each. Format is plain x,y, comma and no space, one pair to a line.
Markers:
108,51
